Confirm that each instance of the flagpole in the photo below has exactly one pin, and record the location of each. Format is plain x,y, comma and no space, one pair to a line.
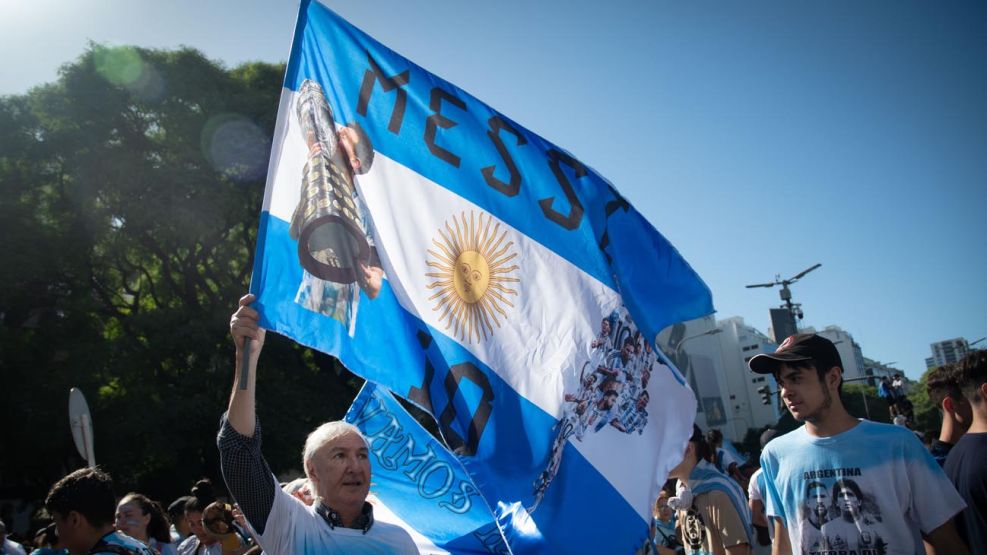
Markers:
245,363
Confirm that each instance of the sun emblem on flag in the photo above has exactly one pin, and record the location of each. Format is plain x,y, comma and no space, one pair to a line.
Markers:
470,263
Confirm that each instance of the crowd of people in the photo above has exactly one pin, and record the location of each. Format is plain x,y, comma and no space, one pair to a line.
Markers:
835,485
85,516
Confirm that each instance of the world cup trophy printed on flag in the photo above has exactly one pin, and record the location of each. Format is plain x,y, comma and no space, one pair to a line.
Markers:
330,222
503,286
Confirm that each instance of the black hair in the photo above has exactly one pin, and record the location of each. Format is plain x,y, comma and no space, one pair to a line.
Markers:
177,507
820,369
844,483
714,437
202,496
46,537
940,383
364,149
971,373
703,451
158,526
87,491
815,485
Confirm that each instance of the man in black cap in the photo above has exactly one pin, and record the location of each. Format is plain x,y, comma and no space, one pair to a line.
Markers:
904,497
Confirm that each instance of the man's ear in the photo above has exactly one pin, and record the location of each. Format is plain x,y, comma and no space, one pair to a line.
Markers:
310,471
833,376
947,404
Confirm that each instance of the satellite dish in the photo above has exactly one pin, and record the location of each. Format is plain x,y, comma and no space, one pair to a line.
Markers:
82,426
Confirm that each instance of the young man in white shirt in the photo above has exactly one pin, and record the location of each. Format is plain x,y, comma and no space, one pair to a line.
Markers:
887,493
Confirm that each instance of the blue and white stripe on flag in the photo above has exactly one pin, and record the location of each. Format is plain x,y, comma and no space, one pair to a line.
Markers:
445,252
417,480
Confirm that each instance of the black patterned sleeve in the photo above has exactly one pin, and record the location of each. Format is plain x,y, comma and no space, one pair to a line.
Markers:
246,473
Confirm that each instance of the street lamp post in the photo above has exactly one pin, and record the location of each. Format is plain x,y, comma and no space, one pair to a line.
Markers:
678,348
713,331
678,351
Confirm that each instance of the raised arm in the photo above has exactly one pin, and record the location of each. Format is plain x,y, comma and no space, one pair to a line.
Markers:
246,472
244,325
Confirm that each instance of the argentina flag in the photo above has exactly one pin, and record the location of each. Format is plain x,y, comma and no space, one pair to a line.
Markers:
409,467
446,253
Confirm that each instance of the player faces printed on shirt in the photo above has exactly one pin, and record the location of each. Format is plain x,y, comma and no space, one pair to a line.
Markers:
838,516
841,494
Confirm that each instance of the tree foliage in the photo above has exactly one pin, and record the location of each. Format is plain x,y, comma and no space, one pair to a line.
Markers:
927,417
874,408
131,191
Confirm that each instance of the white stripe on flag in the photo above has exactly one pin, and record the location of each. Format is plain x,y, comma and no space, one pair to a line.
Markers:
545,336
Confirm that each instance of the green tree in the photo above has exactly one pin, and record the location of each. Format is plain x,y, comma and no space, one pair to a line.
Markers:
854,403
927,417
131,191
854,397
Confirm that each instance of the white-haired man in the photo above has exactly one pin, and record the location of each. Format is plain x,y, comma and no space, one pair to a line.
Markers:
336,461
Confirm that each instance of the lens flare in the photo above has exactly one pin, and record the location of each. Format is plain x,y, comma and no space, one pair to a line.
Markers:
120,65
124,66
236,147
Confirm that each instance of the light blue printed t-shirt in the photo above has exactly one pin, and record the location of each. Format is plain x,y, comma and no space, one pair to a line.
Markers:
870,490
119,539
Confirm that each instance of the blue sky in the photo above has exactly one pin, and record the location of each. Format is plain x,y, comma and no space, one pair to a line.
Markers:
759,137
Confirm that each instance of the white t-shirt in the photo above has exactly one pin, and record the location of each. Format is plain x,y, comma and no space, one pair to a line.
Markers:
12,547
753,488
755,491
296,529
873,488
192,546
727,458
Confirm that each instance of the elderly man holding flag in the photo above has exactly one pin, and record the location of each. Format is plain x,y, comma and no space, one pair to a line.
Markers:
336,461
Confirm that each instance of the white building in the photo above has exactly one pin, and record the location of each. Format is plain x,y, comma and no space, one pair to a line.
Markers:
692,348
881,370
713,356
854,366
947,352
738,344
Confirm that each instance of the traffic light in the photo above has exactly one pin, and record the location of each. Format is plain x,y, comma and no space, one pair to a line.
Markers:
765,393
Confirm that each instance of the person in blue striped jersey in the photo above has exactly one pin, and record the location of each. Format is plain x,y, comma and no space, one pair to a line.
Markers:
717,520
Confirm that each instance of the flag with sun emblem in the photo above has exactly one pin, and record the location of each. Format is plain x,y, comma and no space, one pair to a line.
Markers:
448,254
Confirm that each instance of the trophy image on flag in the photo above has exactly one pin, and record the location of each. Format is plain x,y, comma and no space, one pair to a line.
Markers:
328,223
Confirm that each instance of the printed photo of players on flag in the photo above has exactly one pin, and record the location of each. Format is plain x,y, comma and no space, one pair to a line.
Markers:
611,390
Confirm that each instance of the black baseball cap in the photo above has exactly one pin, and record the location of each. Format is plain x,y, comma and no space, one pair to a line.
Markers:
798,348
